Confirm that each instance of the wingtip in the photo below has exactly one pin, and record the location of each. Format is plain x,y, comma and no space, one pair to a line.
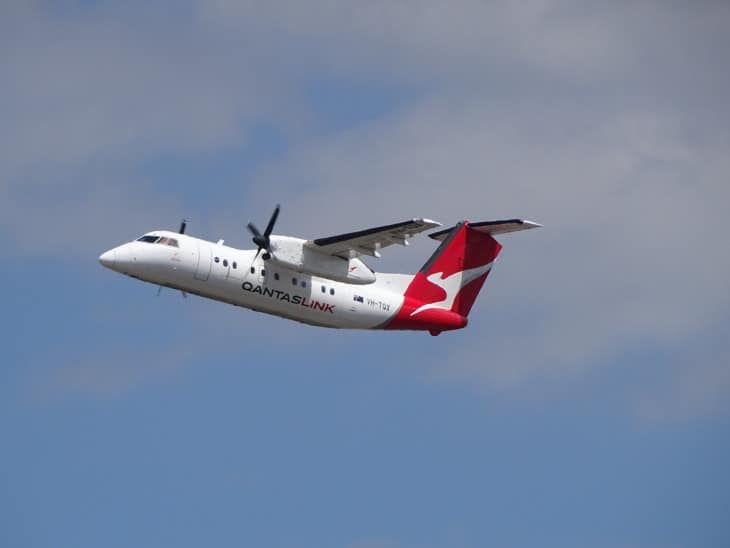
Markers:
425,221
531,224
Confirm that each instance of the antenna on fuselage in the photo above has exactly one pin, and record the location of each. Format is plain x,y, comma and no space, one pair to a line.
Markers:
183,293
183,225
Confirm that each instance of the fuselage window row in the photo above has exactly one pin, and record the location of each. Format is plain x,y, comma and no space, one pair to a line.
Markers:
234,264
295,282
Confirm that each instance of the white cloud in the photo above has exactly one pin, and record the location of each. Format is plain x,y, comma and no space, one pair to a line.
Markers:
89,97
114,85
473,41
456,37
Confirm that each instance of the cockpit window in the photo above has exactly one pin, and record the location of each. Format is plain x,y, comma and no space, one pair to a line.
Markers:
158,240
149,239
168,241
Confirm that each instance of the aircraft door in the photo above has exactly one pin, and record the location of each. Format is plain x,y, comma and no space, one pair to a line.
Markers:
202,270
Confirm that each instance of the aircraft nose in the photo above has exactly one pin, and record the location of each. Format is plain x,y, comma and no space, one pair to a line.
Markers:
108,258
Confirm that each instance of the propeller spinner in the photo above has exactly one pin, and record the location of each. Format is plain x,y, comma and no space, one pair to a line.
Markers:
262,241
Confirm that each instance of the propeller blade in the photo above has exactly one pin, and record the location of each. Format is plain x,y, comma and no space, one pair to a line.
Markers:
272,222
262,241
255,257
183,224
255,231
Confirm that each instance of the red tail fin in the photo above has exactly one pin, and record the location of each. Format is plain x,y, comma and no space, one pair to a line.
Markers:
442,293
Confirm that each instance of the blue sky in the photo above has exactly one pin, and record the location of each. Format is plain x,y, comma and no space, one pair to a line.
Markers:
588,401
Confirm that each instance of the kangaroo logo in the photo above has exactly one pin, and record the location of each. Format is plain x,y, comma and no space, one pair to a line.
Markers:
452,285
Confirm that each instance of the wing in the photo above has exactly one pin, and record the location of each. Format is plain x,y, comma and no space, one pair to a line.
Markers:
490,227
371,240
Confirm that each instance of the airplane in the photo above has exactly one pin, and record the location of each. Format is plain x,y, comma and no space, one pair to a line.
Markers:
323,282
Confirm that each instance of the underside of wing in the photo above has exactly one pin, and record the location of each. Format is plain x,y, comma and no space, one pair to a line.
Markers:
371,240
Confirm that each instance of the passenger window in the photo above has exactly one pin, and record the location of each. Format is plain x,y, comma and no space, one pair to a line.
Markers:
225,262
324,290
253,270
234,264
294,281
276,275
217,260
304,284
263,272
332,290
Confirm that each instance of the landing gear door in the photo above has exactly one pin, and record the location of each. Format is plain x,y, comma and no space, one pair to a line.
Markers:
202,270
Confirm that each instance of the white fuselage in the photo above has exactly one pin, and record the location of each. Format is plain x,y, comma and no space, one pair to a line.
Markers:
234,276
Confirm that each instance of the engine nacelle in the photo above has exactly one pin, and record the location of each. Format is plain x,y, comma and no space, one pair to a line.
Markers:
293,254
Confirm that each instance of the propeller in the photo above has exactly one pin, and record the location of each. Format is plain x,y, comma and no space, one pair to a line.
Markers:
262,241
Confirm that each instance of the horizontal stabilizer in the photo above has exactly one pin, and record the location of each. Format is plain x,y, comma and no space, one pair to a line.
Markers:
490,227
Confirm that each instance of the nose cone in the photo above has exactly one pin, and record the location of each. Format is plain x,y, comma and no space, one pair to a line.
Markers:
108,258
